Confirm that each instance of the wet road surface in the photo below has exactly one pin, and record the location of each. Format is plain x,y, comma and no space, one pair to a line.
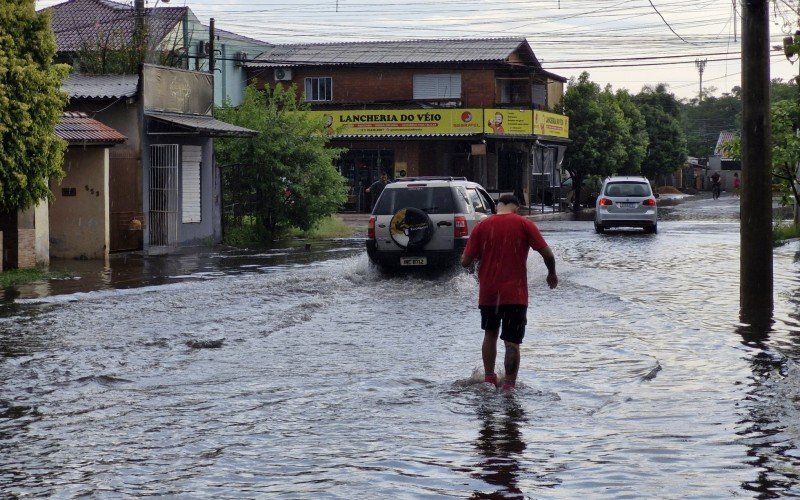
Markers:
307,373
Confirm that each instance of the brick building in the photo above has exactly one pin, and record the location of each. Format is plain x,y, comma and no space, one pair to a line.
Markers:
469,107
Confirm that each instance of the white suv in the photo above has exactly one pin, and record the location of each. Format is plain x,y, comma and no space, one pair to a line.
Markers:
626,202
425,221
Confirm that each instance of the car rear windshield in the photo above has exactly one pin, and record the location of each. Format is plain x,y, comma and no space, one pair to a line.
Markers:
627,189
432,200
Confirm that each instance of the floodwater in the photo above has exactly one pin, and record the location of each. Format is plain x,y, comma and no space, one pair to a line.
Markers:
306,373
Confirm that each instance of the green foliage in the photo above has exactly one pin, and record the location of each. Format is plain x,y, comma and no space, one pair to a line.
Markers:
783,231
667,149
16,277
598,129
703,121
30,106
285,176
637,140
329,227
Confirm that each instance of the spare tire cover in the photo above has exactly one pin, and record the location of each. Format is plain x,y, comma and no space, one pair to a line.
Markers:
411,228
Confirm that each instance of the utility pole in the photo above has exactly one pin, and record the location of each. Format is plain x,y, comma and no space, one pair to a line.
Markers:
701,66
756,274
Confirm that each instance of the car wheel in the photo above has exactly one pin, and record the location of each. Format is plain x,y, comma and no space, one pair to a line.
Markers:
652,229
598,227
411,228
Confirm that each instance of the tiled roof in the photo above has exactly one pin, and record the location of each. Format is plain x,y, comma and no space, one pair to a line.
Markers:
395,52
724,136
78,22
77,128
101,86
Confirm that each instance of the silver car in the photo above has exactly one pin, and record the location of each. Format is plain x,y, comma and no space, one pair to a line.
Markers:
421,222
626,202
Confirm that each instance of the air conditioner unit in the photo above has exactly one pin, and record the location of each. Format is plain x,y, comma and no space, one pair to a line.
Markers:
239,58
283,74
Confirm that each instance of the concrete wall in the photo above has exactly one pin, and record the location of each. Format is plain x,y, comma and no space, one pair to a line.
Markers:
80,224
32,237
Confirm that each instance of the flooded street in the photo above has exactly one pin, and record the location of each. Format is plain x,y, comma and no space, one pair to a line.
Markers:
307,373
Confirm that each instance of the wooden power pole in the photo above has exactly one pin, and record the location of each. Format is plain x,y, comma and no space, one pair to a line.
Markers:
756,278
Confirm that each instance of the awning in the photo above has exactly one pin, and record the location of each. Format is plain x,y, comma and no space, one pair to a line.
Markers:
182,124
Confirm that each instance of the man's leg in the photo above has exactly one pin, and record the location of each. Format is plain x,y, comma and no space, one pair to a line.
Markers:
511,362
489,350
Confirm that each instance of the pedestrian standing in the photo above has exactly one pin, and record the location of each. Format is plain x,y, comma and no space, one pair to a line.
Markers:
736,183
376,188
500,243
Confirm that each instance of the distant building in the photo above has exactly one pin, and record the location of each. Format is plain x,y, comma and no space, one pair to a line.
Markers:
478,108
719,162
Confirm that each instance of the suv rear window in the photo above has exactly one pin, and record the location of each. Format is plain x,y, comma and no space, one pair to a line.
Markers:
627,189
432,200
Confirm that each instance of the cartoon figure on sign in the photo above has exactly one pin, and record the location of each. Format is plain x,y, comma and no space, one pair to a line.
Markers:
328,124
496,123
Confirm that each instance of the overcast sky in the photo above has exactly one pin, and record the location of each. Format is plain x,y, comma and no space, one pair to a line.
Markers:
626,43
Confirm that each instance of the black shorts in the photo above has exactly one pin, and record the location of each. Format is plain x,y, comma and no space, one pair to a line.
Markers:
513,318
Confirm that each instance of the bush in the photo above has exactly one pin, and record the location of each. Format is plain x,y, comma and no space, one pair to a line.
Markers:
329,227
783,231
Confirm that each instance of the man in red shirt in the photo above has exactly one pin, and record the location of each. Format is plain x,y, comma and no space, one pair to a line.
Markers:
501,244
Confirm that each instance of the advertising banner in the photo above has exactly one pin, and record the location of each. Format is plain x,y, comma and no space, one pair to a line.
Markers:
551,124
508,121
403,122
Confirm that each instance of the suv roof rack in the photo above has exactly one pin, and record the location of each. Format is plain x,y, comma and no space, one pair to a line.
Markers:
431,178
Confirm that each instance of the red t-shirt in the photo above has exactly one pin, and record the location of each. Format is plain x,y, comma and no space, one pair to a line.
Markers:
501,243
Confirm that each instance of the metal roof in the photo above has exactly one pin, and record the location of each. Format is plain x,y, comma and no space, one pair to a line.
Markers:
202,124
101,86
724,136
77,23
394,52
77,128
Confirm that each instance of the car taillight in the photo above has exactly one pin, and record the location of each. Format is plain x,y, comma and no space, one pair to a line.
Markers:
371,228
650,202
605,202
461,229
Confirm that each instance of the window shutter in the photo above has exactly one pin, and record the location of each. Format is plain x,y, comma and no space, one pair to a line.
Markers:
192,157
446,86
539,94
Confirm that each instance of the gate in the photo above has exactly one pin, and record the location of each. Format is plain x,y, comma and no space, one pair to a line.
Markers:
163,227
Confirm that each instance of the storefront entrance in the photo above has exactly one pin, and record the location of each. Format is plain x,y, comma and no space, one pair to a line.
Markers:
362,167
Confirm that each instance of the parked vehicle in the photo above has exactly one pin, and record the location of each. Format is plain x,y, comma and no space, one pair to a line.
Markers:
423,222
626,202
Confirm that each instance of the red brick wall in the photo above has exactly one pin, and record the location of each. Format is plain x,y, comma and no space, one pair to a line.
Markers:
387,84
27,248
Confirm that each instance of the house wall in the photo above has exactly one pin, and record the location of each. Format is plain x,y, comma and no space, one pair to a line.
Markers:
79,224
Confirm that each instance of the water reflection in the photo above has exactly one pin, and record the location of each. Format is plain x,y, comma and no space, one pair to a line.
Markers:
773,411
500,444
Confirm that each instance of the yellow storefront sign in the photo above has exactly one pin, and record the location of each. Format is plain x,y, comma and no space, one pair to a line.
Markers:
403,121
416,122
551,124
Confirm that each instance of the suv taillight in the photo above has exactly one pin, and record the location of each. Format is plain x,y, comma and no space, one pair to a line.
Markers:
650,202
461,229
605,202
371,228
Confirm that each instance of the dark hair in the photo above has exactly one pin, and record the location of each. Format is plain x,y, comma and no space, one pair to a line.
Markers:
508,199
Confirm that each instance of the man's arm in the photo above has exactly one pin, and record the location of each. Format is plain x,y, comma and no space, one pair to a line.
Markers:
550,262
467,260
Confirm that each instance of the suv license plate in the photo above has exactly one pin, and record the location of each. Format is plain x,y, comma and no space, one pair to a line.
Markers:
413,261
628,205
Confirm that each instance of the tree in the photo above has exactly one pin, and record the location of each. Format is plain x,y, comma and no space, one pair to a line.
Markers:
285,176
667,150
785,119
31,103
597,128
637,140
703,121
